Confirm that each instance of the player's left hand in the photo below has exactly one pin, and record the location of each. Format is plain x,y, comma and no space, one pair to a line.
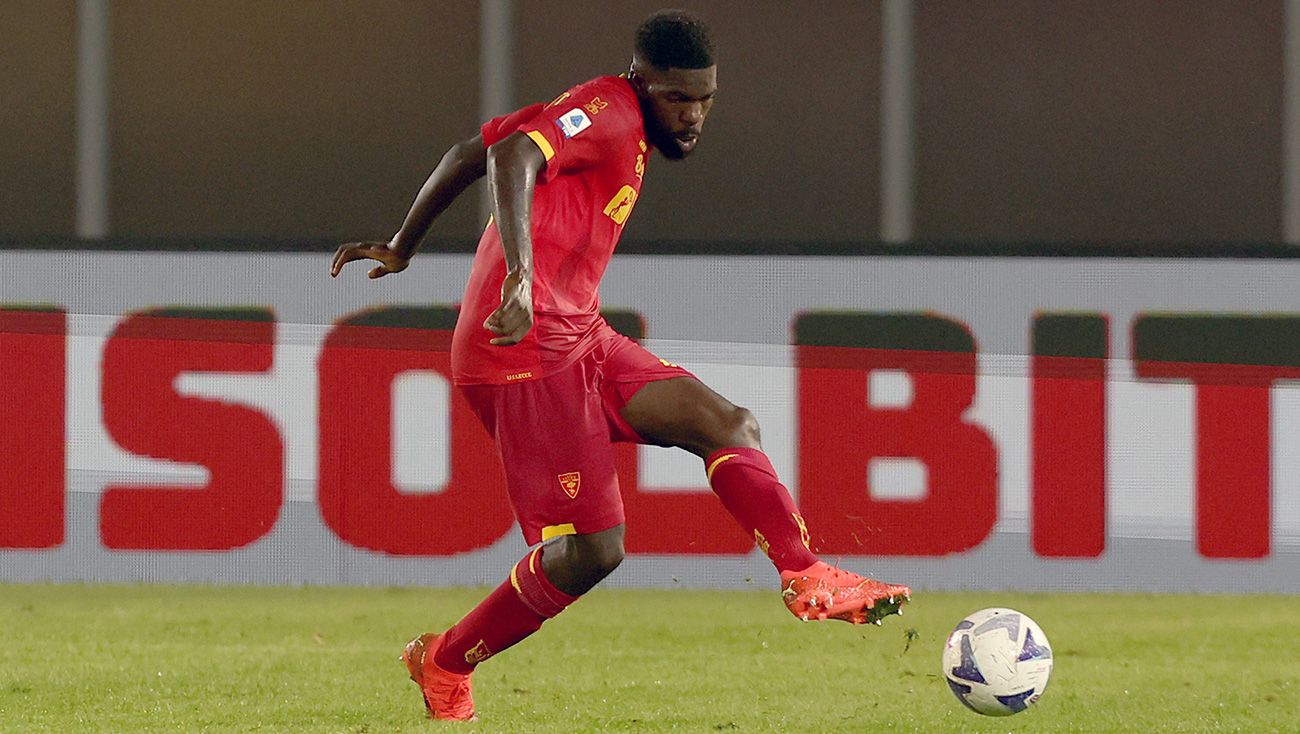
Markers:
390,261
514,317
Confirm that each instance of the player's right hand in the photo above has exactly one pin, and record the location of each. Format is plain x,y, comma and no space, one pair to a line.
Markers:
383,252
514,317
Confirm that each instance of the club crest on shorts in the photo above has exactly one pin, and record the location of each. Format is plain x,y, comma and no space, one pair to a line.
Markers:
570,482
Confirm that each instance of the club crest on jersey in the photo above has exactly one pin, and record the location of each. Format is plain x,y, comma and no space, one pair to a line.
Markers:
571,482
573,122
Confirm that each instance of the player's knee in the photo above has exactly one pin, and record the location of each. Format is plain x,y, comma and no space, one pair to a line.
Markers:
729,428
599,553
608,554
607,558
742,429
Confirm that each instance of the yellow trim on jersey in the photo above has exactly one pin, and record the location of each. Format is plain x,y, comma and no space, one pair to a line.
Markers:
708,473
515,581
555,531
542,143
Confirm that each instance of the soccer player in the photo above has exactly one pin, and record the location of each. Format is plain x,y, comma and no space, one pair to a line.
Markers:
555,385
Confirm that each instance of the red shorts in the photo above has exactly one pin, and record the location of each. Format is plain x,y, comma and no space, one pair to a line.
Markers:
555,436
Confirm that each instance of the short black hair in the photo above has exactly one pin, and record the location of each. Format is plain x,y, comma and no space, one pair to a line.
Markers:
674,39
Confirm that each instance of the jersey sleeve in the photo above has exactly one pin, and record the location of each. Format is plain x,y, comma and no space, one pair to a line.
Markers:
500,128
576,130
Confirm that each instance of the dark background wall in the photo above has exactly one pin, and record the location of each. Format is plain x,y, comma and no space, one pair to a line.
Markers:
1099,119
1081,120
38,78
285,118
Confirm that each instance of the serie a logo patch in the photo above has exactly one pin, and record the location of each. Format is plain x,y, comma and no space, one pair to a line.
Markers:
573,122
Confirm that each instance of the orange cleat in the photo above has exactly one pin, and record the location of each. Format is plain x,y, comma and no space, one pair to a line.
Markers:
823,591
446,695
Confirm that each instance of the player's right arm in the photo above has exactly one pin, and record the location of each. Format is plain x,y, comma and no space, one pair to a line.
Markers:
536,144
463,164
513,164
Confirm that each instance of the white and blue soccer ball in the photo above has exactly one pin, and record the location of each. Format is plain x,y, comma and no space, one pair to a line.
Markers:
997,662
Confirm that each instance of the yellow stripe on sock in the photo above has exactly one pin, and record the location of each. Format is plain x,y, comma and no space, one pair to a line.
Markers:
708,473
555,531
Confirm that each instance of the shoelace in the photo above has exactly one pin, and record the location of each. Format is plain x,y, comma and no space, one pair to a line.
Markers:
863,583
839,575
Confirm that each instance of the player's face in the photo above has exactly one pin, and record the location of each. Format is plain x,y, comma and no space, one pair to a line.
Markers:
676,102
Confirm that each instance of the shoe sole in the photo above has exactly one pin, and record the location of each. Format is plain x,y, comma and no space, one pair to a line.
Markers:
872,611
884,608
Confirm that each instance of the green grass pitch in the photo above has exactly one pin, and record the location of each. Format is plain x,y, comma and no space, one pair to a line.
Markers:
244,659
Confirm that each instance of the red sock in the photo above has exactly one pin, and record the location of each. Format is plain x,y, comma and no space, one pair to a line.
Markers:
745,481
513,611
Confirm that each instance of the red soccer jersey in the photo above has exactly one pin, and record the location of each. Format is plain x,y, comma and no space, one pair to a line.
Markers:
593,137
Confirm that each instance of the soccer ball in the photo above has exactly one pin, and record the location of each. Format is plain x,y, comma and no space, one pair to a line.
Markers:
997,662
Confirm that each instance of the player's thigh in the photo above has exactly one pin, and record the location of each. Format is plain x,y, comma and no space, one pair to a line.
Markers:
686,413
656,402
